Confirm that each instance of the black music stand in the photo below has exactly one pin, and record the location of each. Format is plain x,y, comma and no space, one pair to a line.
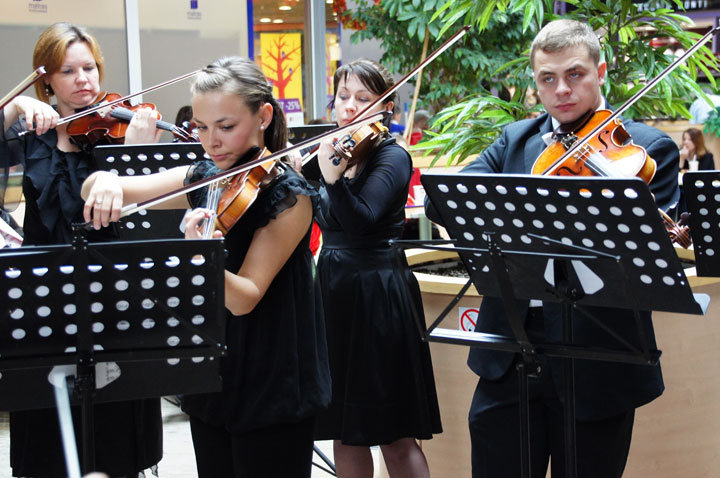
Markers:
152,312
702,195
577,241
138,159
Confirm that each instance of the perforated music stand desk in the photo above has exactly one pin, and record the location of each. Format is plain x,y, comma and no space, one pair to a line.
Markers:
577,241
138,159
152,310
702,196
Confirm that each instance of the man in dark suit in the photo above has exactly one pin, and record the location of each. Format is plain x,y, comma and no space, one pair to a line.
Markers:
565,58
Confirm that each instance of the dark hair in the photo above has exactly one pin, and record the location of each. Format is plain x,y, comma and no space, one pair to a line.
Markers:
240,76
185,113
375,77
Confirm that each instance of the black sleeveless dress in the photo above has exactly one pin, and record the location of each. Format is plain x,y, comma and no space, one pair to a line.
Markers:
276,367
383,384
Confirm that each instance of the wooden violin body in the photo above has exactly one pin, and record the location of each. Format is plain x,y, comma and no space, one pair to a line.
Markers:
359,143
610,153
241,190
92,129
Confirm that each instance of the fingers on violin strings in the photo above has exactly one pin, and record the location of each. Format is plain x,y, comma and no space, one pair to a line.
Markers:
193,219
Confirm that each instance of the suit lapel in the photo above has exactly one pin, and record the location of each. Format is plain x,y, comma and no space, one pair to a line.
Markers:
535,144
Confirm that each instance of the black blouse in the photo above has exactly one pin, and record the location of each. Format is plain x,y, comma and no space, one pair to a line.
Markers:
51,184
705,163
368,209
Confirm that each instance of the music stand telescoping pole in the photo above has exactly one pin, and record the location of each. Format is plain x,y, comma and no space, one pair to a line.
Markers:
136,320
574,241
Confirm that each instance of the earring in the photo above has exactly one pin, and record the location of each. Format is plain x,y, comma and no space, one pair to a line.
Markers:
48,90
262,127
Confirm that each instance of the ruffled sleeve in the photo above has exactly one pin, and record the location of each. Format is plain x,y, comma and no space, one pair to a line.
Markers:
282,194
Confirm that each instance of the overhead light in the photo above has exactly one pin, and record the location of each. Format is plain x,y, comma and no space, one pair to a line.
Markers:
284,7
329,2
265,20
278,20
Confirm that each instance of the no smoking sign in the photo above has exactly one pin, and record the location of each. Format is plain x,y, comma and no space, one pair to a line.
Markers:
468,318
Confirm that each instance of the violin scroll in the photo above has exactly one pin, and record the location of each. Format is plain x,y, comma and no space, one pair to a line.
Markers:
678,231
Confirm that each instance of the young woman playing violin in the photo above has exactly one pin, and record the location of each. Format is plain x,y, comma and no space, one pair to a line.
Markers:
383,385
54,170
275,376
568,72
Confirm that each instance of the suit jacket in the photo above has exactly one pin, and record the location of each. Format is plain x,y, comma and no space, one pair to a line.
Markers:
602,389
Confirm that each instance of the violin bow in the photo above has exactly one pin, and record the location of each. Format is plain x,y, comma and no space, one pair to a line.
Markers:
615,114
133,208
101,106
82,113
24,85
447,44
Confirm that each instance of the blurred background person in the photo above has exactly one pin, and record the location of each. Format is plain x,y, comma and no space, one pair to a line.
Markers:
693,149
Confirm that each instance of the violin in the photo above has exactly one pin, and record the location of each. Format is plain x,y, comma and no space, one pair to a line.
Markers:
239,193
103,102
94,128
358,143
610,152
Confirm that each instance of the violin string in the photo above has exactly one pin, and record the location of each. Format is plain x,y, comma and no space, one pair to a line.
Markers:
586,154
213,199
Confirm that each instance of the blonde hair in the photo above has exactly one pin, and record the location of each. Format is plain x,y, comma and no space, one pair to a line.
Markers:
50,52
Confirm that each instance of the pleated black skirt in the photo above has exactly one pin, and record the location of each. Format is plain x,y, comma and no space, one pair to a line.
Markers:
383,384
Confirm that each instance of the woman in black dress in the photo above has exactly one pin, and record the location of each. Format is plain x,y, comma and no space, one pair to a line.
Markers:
383,384
128,435
275,375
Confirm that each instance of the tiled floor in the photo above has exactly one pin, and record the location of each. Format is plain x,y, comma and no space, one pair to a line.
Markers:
178,457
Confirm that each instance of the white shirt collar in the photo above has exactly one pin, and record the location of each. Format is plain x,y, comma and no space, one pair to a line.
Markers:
547,137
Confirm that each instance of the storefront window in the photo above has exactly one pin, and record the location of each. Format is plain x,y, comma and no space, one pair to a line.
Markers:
279,49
